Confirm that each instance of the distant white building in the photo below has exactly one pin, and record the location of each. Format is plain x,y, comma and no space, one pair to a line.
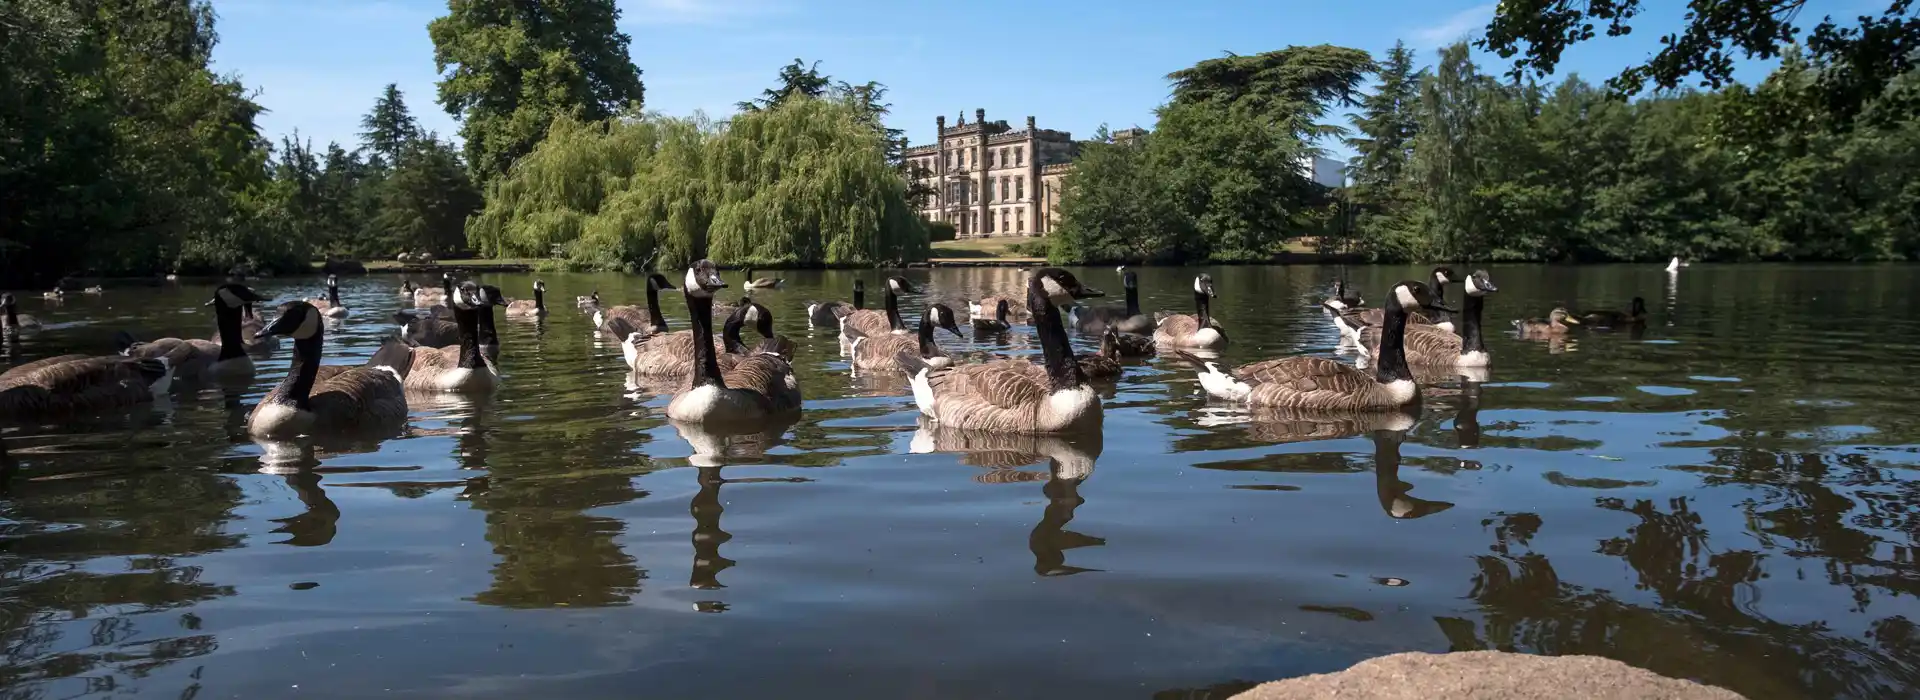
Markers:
1326,171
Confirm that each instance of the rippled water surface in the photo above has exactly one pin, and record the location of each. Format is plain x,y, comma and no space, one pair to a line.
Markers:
1728,495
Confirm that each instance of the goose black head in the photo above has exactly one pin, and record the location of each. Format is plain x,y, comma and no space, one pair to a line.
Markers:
333,281
751,313
492,296
703,279
298,320
6,299
942,317
1639,305
1479,284
1415,295
859,285
1062,287
540,286
1203,284
1443,276
468,296
655,280
900,285
234,295
407,287
1128,279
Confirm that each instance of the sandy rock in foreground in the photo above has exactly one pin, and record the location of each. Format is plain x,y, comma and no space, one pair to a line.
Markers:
1487,675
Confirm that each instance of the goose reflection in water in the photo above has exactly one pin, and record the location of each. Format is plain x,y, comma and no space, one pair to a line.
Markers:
713,450
1069,460
316,526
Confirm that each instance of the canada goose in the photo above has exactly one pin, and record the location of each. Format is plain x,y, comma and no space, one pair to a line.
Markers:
196,359
876,323
460,368
56,294
1016,309
1015,396
1635,315
76,385
1306,382
763,282
879,352
428,297
330,307
1341,301
1556,323
671,354
621,321
1104,364
1351,321
95,289
428,330
406,288
1125,317
1428,345
250,326
490,334
313,399
1130,345
997,324
1195,331
827,314
589,301
535,308
13,319
759,387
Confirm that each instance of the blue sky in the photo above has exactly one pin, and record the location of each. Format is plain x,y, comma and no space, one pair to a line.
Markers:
1074,65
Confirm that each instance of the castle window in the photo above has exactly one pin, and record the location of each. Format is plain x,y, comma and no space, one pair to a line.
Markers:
1019,156
1020,219
1019,188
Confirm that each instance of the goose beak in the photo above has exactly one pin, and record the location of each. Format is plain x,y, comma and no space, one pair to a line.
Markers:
1084,292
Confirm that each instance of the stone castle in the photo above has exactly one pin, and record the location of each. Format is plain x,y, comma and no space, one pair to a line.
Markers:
989,179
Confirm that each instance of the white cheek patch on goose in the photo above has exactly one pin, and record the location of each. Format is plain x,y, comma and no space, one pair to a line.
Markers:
1472,288
693,285
1199,285
1406,296
753,314
309,325
896,286
1053,288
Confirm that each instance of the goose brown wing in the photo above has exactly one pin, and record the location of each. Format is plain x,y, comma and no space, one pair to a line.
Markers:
1424,344
873,323
19,373
359,396
1304,373
433,333
668,353
85,384
1177,326
879,351
768,376
635,316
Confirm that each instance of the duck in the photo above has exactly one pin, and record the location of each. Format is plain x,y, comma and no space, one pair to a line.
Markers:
1016,396
672,355
315,399
1351,321
879,352
461,368
428,297
1636,314
621,321
758,388
1104,364
1193,331
1125,318
1341,301
13,319
79,385
223,359
1556,323
1428,346
56,295
589,301
95,289
1675,264
530,308
330,307
763,282
1319,383
876,323
827,314
997,324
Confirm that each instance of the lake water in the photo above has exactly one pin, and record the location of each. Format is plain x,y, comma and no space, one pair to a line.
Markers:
1729,496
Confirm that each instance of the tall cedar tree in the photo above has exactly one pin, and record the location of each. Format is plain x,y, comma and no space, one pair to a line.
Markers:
388,129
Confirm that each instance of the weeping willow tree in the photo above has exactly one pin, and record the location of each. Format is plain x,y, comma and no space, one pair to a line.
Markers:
804,183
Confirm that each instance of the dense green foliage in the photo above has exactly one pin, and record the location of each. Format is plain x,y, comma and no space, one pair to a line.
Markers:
1219,179
512,66
805,182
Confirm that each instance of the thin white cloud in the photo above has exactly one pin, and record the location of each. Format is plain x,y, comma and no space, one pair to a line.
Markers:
645,12
1461,25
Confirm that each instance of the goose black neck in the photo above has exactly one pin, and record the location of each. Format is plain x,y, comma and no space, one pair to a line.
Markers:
653,308
333,294
927,347
730,335
706,365
226,318
1439,296
1470,340
859,297
706,509
1063,370
1392,358
296,389
446,288
1386,468
539,299
489,335
1204,305
13,316
468,320
1466,424
1133,299
893,311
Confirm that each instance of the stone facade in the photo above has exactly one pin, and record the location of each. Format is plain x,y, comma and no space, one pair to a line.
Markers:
992,180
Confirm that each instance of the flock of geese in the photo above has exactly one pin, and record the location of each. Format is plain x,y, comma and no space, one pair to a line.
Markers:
448,343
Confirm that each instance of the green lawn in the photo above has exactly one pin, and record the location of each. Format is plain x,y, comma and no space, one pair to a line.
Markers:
481,263
980,247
